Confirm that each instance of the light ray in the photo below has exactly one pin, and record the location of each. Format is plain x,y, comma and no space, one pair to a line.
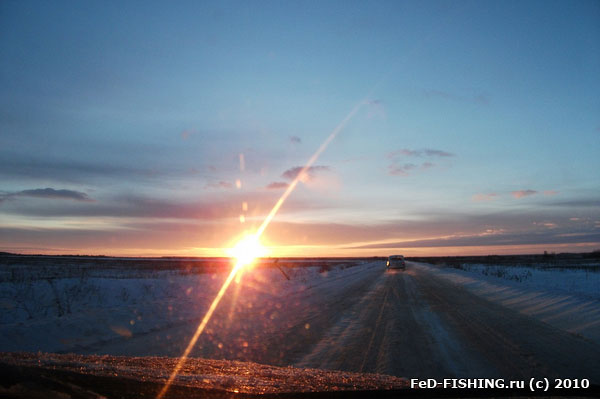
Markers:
200,328
240,264
309,163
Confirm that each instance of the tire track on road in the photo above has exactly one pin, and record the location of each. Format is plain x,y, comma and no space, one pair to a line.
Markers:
402,334
517,346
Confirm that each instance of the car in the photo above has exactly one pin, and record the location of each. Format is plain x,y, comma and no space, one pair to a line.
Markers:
396,262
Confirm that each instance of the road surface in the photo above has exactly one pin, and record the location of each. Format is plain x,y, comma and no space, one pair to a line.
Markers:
403,323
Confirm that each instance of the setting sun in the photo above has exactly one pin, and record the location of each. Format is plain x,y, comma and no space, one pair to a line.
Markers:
247,250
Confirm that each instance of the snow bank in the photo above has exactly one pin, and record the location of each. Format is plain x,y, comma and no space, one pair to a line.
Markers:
568,299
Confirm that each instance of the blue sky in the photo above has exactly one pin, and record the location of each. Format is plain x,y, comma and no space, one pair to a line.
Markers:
122,125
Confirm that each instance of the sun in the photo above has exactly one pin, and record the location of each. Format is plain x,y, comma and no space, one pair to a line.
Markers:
247,250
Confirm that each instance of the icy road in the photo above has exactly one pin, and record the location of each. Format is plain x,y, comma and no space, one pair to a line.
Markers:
412,324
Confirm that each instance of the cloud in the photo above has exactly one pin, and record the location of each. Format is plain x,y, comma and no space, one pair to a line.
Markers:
437,153
529,238
376,109
402,170
403,151
436,230
220,184
149,224
68,171
130,207
427,165
309,174
127,207
295,139
49,193
523,193
143,238
427,152
397,168
516,194
548,225
52,193
277,185
578,203
480,197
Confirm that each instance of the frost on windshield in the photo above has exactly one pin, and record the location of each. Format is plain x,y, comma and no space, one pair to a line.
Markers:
223,375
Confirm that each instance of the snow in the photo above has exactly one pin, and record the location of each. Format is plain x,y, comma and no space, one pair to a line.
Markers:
290,312
566,298
72,307
67,305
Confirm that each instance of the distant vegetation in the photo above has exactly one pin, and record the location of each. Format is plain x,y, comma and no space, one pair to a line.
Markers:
546,260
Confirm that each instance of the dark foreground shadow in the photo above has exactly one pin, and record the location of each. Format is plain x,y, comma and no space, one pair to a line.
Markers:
27,375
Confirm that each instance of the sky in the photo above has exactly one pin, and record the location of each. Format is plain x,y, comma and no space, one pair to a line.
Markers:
161,129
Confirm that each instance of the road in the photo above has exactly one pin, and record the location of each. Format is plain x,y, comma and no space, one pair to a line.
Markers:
404,323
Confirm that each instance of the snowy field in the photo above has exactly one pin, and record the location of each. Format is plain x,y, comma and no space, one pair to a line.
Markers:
565,297
69,304
582,282
277,313
349,315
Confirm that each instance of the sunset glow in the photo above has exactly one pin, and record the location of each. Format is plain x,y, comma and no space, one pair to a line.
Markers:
247,250
172,149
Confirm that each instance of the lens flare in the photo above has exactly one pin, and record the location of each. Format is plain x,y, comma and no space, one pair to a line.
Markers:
201,326
247,250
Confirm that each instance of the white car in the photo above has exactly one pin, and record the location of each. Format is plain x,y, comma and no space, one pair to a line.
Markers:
396,262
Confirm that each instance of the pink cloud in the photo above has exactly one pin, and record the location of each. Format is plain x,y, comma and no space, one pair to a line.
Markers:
277,185
405,152
402,170
186,134
220,184
523,193
481,197
550,192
